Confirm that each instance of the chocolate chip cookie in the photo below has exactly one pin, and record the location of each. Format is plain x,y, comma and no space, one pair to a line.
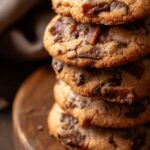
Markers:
96,45
67,130
106,12
96,111
123,84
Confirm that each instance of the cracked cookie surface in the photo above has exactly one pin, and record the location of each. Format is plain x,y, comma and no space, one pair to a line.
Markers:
108,12
124,84
94,45
67,130
96,111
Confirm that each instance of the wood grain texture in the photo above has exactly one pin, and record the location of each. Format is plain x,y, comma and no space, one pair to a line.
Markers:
32,104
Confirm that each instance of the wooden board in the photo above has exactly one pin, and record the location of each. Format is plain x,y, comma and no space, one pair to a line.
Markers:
32,104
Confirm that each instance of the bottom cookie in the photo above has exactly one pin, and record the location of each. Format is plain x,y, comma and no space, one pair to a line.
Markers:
95,111
67,130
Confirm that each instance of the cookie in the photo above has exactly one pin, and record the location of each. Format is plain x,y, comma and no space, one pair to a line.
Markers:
67,130
123,84
108,12
96,111
94,45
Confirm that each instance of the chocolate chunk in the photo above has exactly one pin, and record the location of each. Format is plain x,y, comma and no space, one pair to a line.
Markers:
69,121
72,102
73,139
57,30
79,78
86,7
64,117
89,9
114,94
73,28
135,110
93,53
97,90
83,104
119,5
75,103
62,26
93,35
94,10
57,65
112,141
115,81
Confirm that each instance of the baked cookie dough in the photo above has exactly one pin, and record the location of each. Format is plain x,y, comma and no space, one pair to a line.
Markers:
108,12
124,84
67,130
96,111
96,45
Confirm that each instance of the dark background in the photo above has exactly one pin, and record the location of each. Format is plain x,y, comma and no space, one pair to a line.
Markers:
15,66
11,77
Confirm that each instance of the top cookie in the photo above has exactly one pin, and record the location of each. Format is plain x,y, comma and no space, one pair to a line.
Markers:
108,12
94,45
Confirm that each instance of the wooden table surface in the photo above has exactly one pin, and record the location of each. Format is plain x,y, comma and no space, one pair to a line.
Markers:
30,112
12,75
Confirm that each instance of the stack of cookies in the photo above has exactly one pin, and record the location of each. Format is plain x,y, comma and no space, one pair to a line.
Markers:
101,56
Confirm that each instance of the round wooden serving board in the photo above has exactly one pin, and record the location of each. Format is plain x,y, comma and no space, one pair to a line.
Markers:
32,104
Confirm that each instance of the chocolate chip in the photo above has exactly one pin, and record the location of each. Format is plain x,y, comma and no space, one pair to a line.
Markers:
72,102
97,90
83,104
89,9
135,110
119,5
93,34
112,141
75,103
94,10
93,53
57,30
79,78
69,121
64,117
57,65
62,28
73,139
115,81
